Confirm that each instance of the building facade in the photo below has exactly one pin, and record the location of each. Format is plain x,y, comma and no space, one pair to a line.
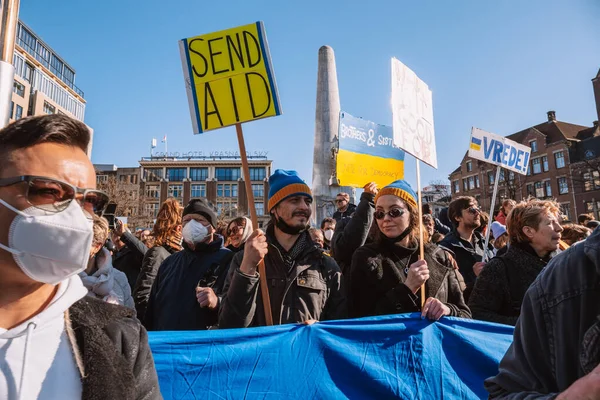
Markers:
44,83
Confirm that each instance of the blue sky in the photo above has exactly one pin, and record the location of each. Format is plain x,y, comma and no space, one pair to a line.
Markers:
495,65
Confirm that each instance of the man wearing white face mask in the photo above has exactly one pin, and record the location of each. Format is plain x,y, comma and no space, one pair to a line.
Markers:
185,294
56,343
328,228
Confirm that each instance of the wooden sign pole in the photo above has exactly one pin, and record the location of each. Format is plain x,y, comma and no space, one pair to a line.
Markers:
421,244
264,289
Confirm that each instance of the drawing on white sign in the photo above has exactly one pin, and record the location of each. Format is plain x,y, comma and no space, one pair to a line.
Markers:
412,111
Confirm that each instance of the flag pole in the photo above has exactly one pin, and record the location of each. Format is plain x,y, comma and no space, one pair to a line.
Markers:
264,289
420,211
487,232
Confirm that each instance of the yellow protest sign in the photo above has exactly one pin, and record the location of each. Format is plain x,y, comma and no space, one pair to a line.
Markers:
229,78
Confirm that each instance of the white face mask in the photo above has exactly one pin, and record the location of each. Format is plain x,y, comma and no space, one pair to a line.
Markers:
328,234
194,232
50,247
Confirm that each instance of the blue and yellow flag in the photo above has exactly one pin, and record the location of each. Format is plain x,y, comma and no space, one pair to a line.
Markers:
475,143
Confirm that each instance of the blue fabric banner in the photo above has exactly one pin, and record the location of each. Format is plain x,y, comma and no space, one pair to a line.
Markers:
400,356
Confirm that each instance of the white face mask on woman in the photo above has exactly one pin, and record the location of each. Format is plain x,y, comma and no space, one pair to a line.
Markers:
50,247
194,232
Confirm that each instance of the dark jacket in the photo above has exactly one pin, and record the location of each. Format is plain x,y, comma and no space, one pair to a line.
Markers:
129,258
501,285
351,233
152,260
173,305
441,228
466,254
377,281
113,346
312,289
557,338
338,215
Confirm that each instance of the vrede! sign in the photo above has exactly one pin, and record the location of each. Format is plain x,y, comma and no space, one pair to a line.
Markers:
498,150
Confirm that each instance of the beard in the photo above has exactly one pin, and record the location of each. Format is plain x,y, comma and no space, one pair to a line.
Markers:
292,229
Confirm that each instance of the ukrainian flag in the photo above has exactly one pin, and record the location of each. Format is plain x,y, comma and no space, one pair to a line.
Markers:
475,143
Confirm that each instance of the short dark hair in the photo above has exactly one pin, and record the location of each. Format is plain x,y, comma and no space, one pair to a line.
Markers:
327,220
426,209
54,128
457,206
584,218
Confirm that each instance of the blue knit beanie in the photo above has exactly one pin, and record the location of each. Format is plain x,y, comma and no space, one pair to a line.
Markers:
399,188
283,184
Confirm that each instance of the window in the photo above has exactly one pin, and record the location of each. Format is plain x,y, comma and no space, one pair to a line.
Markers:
12,108
56,66
511,176
153,174
563,186
465,187
548,189
257,173
530,191
501,178
477,181
533,145
227,209
28,72
43,55
153,191
491,177
175,191
227,174
566,210
227,190
198,174
152,209
134,179
260,208
19,112
471,183
591,180
101,178
536,166
176,174
258,190
198,191
19,88
545,164
456,187
469,166
539,190
123,179
559,159
49,108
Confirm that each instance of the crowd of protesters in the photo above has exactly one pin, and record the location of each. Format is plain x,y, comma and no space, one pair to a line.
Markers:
69,280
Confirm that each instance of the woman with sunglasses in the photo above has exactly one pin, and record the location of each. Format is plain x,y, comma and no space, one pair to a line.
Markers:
100,278
238,231
386,275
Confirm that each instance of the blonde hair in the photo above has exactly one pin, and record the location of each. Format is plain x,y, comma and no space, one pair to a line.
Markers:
100,230
528,213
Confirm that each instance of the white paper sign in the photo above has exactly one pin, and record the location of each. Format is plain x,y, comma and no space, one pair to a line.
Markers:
498,150
412,111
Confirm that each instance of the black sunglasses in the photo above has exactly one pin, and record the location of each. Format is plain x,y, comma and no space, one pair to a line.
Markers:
394,213
474,210
55,196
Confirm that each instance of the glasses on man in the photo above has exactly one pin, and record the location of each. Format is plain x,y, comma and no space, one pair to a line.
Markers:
55,196
474,210
394,213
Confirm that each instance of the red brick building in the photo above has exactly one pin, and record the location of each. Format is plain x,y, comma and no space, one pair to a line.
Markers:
564,165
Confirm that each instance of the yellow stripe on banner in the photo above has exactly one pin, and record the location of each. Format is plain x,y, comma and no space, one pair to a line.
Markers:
475,146
355,169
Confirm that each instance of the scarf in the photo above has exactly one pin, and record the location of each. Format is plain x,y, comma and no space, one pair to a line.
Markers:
289,257
100,284
174,241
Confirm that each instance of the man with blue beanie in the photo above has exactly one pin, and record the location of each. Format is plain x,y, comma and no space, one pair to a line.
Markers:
304,283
